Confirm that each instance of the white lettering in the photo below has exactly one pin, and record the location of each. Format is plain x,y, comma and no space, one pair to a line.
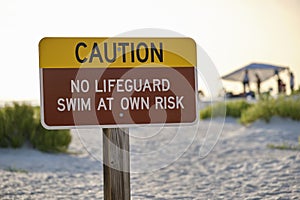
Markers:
80,86
129,85
97,87
170,102
120,85
158,102
156,85
75,86
135,103
147,86
165,85
74,104
111,84
109,99
124,103
60,102
102,104
86,105
179,102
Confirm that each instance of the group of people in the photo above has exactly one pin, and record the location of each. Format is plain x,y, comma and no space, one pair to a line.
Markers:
280,84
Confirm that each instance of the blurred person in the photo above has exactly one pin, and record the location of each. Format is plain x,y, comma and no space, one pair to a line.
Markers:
258,81
292,82
246,81
280,83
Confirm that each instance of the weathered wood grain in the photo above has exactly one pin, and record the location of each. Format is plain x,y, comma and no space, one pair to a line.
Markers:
116,164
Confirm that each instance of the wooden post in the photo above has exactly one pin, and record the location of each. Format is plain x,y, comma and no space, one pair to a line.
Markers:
116,164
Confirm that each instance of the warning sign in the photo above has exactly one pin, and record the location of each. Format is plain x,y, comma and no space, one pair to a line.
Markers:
117,81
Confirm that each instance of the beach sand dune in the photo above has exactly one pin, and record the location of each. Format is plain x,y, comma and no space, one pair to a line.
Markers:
166,164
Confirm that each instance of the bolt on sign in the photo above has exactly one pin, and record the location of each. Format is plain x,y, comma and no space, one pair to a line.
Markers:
111,82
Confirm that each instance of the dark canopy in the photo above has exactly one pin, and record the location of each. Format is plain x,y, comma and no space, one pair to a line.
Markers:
264,71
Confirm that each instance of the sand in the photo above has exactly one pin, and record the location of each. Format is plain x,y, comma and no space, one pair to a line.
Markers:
168,163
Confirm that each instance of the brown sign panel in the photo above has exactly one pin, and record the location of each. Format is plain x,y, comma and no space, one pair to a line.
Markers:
111,89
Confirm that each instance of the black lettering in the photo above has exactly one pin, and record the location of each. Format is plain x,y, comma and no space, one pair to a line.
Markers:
132,52
123,45
95,53
138,55
154,50
113,59
77,52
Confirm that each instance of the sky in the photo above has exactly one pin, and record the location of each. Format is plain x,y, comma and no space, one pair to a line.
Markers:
233,33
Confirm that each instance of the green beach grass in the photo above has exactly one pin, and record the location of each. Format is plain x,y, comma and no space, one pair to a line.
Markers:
264,109
228,109
285,146
20,123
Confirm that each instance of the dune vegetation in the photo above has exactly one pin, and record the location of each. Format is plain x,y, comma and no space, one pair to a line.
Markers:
20,124
285,107
264,109
229,109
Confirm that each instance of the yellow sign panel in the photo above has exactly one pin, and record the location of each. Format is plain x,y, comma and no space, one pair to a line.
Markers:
117,52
